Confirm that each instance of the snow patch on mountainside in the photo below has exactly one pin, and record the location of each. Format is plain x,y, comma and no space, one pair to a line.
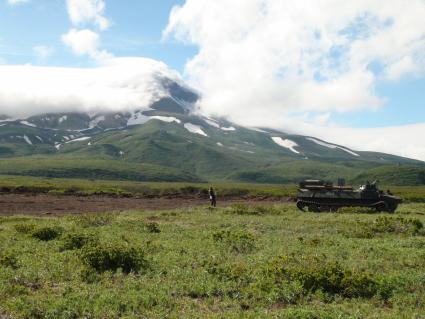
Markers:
333,146
215,124
196,129
137,118
212,123
26,138
168,119
286,143
28,123
85,138
257,129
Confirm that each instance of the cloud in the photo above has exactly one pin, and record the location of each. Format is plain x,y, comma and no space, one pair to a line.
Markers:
117,84
85,42
43,52
81,42
82,12
298,56
404,66
13,2
125,84
289,64
403,140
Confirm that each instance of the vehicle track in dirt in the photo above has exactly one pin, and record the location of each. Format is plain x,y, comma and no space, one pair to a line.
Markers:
46,205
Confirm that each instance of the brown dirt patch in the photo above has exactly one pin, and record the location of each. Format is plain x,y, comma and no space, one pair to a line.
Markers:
44,204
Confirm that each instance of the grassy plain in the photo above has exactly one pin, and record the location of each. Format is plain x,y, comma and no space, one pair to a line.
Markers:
72,186
235,262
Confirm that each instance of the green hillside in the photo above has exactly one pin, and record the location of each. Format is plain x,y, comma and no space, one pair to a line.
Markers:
166,145
395,175
63,167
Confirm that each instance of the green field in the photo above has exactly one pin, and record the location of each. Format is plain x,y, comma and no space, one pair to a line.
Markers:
235,262
72,186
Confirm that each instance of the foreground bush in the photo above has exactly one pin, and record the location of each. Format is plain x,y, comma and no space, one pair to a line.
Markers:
77,240
237,241
315,274
8,259
399,225
241,209
153,227
47,233
24,228
113,256
95,220
386,225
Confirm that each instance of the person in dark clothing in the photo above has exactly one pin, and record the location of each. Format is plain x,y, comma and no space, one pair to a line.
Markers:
213,197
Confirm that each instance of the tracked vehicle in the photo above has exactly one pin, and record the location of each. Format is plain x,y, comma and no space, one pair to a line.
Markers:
320,196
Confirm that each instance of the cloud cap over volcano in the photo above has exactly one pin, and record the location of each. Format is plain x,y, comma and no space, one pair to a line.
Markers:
117,84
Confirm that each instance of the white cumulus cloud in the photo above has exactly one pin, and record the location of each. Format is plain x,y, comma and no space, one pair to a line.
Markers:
83,42
289,64
403,140
87,11
13,2
298,56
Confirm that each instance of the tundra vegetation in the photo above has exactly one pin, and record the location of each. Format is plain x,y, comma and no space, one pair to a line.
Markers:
232,262
87,187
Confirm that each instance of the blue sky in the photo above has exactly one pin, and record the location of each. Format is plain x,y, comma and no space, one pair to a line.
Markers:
404,104
260,62
136,29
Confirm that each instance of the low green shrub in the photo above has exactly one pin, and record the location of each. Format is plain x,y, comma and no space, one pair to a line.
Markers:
47,233
237,241
356,210
77,240
235,272
153,227
315,274
95,220
113,256
310,314
384,224
242,209
399,225
8,259
24,228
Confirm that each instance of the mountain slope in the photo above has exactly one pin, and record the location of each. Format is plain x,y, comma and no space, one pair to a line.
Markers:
169,140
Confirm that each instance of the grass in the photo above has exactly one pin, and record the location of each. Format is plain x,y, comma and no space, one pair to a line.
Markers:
68,186
72,186
266,262
64,167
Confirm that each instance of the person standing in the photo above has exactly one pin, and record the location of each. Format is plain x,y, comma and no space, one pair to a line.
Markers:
213,197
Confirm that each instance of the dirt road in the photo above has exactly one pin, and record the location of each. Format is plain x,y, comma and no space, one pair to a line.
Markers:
42,204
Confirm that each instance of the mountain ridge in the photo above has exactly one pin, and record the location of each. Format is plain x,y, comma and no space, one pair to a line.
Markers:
171,133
